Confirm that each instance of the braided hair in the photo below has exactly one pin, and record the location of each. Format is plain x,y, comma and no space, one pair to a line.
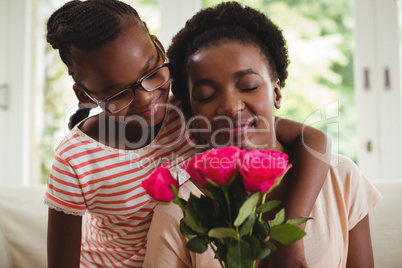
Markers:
231,21
87,25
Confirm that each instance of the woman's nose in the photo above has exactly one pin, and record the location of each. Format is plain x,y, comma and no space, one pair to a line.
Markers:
230,105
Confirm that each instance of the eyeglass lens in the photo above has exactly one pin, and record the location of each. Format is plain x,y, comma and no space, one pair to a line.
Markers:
152,81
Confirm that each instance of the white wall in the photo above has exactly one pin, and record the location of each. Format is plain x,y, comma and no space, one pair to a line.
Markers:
14,71
378,95
174,14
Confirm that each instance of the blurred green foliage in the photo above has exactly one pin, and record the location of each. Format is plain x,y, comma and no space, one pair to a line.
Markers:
319,89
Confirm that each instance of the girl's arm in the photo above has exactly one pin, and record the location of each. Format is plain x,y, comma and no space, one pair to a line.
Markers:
63,240
310,149
311,154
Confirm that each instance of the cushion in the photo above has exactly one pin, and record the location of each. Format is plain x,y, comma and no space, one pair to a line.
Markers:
23,223
385,225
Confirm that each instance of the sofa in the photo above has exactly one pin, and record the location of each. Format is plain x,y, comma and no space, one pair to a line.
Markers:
23,220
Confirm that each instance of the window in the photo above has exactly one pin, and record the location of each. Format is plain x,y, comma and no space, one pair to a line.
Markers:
319,89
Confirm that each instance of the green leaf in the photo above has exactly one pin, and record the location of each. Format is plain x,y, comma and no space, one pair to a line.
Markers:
237,195
258,248
264,252
239,255
286,234
261,230
220,208
197,244
246,227
186,230
298,221
270,245
191,217
247,208
222,232
268,206
279,218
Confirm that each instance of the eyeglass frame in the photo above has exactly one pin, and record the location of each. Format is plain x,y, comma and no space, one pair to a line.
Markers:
137,84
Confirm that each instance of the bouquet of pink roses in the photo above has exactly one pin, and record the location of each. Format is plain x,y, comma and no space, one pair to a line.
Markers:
229,219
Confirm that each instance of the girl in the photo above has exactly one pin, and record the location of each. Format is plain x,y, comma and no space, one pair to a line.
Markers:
99,166
235,62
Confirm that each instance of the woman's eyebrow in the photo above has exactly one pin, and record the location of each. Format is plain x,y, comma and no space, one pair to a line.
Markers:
208,81
241,73
201,82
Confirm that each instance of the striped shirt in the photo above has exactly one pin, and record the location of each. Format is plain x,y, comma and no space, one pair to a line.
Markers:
103,184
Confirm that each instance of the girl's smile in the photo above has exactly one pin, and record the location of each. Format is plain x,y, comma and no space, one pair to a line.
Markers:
152,108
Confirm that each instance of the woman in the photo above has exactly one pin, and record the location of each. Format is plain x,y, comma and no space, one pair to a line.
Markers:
228,64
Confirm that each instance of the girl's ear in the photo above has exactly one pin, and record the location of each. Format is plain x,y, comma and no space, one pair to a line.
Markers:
83,97
277,94
156,40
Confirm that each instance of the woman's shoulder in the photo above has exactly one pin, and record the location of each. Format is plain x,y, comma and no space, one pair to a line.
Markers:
343,165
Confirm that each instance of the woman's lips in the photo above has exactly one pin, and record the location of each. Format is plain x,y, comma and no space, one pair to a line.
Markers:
239,129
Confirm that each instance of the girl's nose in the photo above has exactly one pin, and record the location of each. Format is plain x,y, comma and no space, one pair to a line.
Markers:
230,105
143,97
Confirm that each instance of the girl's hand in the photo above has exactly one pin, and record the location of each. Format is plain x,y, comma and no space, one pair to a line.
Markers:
286,257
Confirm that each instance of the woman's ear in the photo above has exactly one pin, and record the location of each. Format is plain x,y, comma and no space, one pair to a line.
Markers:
82,97
277,94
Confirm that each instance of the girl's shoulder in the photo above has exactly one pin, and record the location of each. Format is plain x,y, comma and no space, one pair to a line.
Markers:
76,141
90,126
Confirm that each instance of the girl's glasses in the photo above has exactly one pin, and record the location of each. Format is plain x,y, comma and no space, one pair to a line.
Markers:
149,82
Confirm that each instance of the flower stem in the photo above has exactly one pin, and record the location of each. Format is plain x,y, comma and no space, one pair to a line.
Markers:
259,218
225,191
262,202
217,255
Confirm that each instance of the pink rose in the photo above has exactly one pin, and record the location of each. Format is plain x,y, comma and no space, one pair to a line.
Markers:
158,184
261,169
217,165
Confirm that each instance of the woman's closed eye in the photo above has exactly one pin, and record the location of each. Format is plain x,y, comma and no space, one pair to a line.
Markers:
248,89
205,98
249,82
204,94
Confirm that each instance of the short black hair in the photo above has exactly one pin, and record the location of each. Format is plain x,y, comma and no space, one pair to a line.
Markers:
232,21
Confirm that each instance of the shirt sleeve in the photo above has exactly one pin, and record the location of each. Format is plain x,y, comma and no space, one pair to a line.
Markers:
64,191
361,195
